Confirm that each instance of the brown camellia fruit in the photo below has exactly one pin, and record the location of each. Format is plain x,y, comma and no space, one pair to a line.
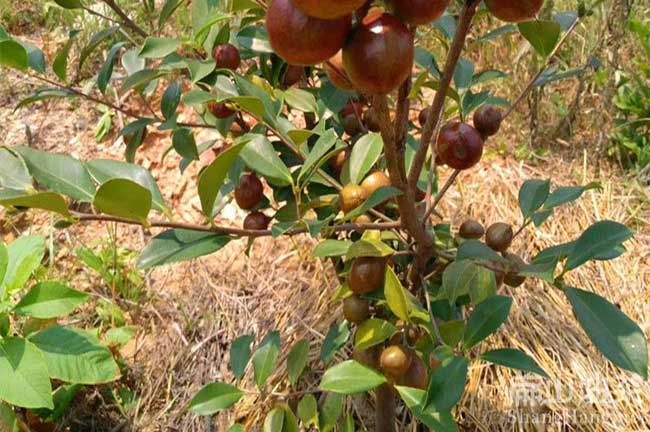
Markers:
499,236
368,357
375,181
337,161
379,55
328,9
514,10
301,39
420,11
459,146
366,274
351,197
249,192
487,120
416,376
515,264
395,360
256,221
471,229
227,56
292,75
424,116
371,120
336,72
352,125
356,309
220,110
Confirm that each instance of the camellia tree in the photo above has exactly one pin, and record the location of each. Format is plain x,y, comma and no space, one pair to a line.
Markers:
311,100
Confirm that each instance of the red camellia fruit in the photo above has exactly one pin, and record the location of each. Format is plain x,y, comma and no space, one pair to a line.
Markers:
220,110
249,192
336,72
420,11
514,10
487,120
459,146
301,39
256,221
226,56
328,9
379,55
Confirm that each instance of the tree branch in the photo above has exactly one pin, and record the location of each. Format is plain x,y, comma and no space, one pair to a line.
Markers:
125,18
467,13
431,207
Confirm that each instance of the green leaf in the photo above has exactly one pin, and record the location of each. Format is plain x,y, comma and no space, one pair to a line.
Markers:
567,194
457,279
486,319
452,332
240,353
364,156
214,398
59,173
4,262
35,57
476,250
97,39
102,170
13,55
447,385
106,71
13,172
332,248
25,255
212,178
44,94
615,335
120,336
60,63
483,285
533,195
369,248
597,239
199,69
301,100
8,421
140,79
415,400
297,360
274,421
290,420
123,198
264,361
48,201
351,377
69,4
157,47
321,147
463,74
170,100
308,410
47,300
236,428
167,10
330,411
379,196
180,245
543,35
371,332
74,356
184,143
336,337
396,297
23,374
260,156
513,359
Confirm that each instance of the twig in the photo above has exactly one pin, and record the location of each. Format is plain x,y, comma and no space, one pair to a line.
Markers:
125,18
441,194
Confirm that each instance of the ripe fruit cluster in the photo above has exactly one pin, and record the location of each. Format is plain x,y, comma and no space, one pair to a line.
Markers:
249,194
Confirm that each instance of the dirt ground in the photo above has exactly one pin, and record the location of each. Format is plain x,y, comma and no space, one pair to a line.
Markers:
193,311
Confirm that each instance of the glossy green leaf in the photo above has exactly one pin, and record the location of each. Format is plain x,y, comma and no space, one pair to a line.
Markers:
167,11
25,255
106,71
240,353
212,178
274,421
336,337
102,170
566,194
300,99
74,356
13,55
369,248
44,94
379,196
140,79
297,360
486,319
332,248
476,250
457,279
23,374
60,63
396,296
543,35
13,172
452,332
48,201
170,100
260,156
365,154
351,377
69,4
185,144
264,361
47,300
321,147
330,411
157,47
8,420
597,239
308,410
615,335
483,285
180,245
59,173
371,332
123,198
214,398
513,359
4,262
415,400
447,384
533,195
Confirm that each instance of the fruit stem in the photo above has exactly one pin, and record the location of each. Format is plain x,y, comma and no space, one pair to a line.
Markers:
432,205
430,129
385,409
